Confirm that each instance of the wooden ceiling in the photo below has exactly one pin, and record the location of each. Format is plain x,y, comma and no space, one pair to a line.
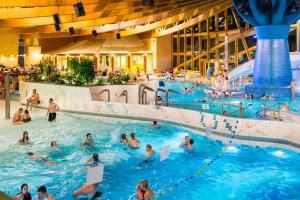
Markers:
33,18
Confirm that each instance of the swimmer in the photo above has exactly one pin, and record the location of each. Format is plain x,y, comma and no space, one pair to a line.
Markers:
26,117
88,140
24,194
43,158
54,144
190,144
124,140
93,161
133,143
154,123
144,192
186,141
89,190
224,113
25,138
42,194
149,151
199,101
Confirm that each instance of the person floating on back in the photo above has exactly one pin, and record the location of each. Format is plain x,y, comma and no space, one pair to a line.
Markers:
52,108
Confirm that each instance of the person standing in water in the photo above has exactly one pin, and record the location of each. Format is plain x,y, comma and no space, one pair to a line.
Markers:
293,86
144,192
25,138
24,194
43,194
133,143
52,108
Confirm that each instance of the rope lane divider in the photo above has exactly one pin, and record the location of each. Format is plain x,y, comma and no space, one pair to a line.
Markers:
219,155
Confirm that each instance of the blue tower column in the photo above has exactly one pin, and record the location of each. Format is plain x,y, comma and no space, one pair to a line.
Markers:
272,68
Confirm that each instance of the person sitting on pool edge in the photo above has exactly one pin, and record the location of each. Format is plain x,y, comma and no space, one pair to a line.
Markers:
33,100
186,141
144,192
43,194
89,190
93,160
26,117
190,145
17,116
133,143
88,139
25,138
124,140
24,194
149,151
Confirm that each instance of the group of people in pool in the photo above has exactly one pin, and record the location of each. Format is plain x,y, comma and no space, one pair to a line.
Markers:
144,191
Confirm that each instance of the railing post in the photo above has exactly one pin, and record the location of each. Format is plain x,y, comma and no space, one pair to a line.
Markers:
278,111
167,98
7,95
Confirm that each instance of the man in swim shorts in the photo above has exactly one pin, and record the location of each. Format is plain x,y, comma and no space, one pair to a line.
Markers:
149,151
52,108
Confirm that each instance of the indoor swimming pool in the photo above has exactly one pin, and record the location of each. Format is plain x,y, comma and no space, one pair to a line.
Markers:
243,172
252,107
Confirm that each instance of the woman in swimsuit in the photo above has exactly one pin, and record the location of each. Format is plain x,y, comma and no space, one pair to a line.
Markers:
25,138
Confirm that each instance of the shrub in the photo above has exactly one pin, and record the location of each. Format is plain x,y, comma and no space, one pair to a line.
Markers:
100,82
86,71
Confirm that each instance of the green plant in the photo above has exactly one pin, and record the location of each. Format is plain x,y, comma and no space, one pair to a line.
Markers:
119,79
41,67
86,71
100,81
78,81
73,66
69,79
48,71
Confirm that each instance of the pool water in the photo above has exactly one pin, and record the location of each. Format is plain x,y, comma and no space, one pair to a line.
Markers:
185,100
243,172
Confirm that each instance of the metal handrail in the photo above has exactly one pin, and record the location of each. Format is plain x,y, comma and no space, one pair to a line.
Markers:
167,94
269,108
144,97
240,110
142,89
108,94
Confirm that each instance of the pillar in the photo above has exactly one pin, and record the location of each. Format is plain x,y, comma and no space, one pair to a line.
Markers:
7,95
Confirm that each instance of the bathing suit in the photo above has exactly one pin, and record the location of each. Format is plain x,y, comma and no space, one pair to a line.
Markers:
52,117
27,120
140,195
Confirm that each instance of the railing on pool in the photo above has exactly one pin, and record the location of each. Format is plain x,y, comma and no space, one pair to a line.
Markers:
274,110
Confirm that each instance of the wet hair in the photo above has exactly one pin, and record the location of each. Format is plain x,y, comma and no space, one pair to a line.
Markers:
155,122
144,183
27,138
42,189
34,90
191,141
87,135
23,185
20,109
30,154
186,137
53,142
148,146
50,99
95,157
132,135
123,136
26,112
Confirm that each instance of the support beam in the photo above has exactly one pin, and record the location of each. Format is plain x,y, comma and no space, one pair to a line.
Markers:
7,95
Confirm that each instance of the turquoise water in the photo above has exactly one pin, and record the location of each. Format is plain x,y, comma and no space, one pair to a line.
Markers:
185,100
242,173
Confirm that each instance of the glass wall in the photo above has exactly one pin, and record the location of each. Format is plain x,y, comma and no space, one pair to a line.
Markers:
203,44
